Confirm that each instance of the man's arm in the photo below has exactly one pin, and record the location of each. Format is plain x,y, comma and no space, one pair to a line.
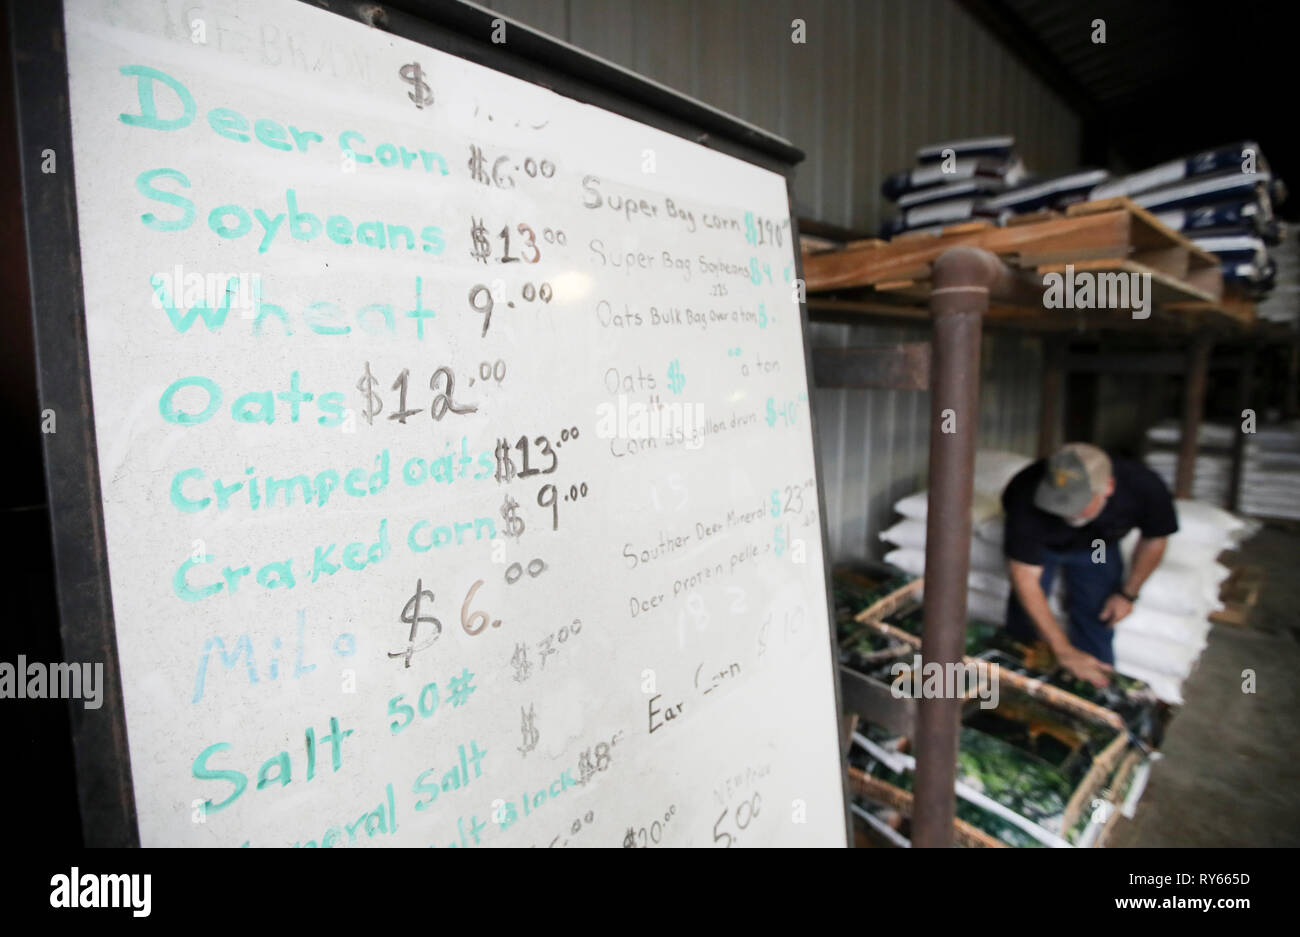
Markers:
1026,580
1146,557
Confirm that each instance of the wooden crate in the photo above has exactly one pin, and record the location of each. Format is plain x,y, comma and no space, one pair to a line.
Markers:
881,792
907,596
1093,786
1107,236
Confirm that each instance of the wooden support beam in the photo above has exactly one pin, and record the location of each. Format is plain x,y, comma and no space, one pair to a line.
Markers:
1050,394
1198,369
897,366
1140,362
1128,362
1245,380
1291,394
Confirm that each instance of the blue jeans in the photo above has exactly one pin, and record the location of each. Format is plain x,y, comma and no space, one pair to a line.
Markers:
1087,587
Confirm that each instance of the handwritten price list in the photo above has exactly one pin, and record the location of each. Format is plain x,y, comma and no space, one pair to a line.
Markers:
457,464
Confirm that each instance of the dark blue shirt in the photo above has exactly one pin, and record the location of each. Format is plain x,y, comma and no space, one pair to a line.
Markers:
1140,500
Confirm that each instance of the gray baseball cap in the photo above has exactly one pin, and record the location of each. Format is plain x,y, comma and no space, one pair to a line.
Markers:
1074,473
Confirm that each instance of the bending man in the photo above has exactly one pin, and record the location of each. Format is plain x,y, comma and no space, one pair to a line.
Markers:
1069,513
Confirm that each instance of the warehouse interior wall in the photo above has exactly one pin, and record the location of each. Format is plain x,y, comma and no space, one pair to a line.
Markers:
873,81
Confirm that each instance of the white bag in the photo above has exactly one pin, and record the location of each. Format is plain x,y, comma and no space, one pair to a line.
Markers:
910,534
1168,689
1184,590
911,560
984,606
992,529
1152,623
1155,654
1201,521
1180,549
917,505
906,533
994,469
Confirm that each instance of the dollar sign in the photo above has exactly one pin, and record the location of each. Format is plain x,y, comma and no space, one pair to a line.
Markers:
514,523
528,730
675,379
482,249
751,234
411,615
413,75
585,770
629,841
776,505
477,171
520,662
771,412
505,467
373,403
779,542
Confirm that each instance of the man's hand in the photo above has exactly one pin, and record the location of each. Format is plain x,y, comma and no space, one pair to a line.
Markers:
1083,665
1115,610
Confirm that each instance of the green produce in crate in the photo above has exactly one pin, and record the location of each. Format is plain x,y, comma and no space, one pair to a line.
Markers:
1016,779
858,644
977,816
980,635
1131,699
853,591
1066,742
995,825
1134,702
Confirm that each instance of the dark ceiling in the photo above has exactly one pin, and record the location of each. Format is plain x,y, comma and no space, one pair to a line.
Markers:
1173,77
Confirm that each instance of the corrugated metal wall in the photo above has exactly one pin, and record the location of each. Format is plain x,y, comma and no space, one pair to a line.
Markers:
873,81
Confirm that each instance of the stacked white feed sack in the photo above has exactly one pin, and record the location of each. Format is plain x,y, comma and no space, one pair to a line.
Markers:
989,587
1212,473
1270,481
1161,640
1270,478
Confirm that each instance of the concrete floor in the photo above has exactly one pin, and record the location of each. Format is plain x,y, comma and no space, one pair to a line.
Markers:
1231,771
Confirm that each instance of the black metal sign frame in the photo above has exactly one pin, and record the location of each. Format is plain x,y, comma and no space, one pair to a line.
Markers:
104,782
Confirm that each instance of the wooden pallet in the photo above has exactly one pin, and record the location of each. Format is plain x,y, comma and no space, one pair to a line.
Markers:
1233,307
1239,594
1107,236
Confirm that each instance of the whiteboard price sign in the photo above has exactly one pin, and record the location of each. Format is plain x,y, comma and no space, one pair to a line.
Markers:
451,448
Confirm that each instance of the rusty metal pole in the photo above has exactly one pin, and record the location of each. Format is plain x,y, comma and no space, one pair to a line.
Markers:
1198,371
962,281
